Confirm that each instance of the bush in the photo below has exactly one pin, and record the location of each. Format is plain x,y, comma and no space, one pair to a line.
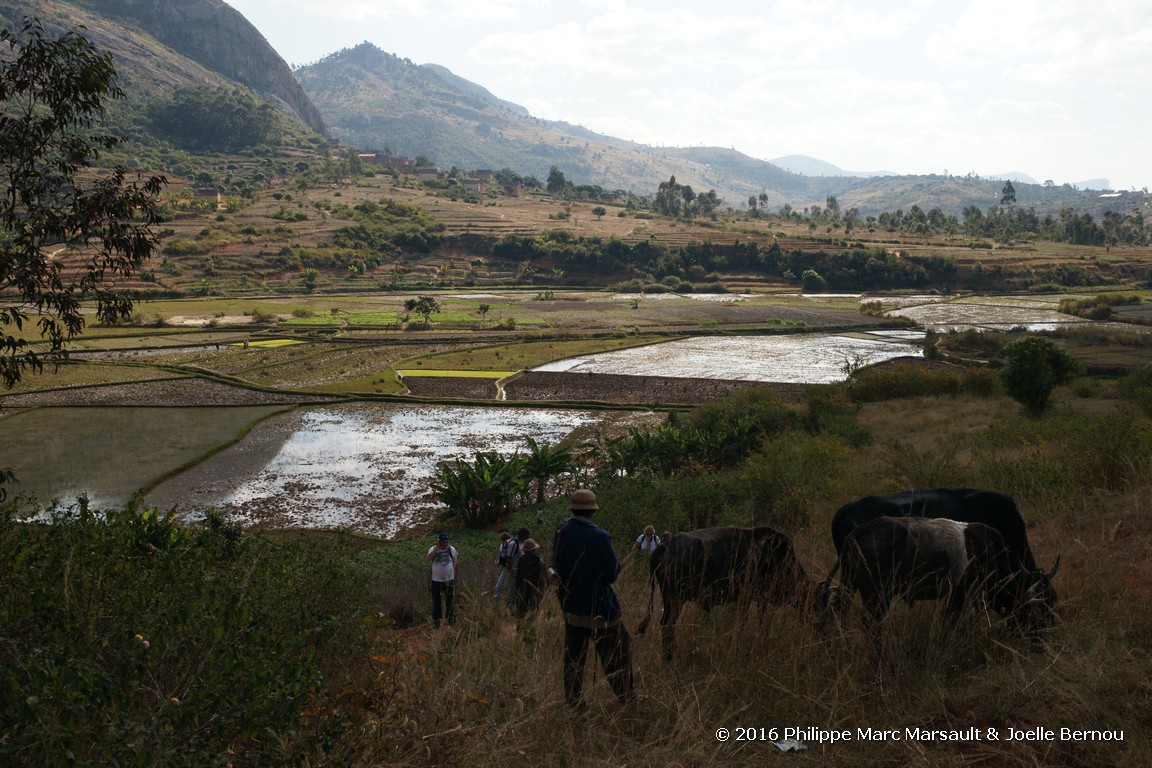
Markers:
1033,367
894,382
122,629
1137,387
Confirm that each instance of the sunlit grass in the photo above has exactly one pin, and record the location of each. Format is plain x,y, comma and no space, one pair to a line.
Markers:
271,343
111,453
522,355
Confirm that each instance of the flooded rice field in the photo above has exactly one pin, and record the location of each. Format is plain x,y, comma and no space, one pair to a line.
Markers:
363,467
801,358
1033,313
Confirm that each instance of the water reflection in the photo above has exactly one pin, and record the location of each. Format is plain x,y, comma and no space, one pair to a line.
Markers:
800,358
360,466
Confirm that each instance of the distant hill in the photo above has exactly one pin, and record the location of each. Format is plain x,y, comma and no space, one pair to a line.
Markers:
374,100
377,100
161,45
810,166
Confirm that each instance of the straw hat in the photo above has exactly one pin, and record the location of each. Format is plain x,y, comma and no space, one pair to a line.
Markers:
583,500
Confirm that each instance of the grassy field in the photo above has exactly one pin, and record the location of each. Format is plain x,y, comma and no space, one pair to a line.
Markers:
113,452
312,648
331,628
491,685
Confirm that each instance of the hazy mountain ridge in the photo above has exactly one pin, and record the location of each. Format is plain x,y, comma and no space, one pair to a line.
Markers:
372,100
377,100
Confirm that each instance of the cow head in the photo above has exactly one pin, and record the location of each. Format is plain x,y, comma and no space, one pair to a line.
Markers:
1038,599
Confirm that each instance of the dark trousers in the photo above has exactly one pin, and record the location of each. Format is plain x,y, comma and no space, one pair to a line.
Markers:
447,591
613,646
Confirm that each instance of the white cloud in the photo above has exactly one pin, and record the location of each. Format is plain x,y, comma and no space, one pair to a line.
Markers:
482,10
1056,42
916,85
347,10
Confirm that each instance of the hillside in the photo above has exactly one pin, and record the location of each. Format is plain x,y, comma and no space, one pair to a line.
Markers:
377,100
374,100
160,46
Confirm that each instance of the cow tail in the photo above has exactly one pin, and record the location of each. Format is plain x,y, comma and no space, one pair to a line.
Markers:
827,602
831,573
655,562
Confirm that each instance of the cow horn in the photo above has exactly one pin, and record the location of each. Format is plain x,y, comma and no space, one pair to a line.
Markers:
1055,567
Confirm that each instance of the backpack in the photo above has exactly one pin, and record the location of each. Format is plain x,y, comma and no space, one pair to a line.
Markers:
513,553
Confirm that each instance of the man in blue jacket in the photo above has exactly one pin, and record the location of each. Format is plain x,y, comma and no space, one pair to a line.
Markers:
586,567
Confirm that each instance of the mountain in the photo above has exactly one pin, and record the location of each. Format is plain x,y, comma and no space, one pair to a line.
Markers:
810,166
373,100
376,100
161,45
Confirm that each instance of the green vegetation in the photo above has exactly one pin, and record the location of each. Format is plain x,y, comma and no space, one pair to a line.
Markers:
1033,367
154,630
1097,307
215,120
273,649
53,92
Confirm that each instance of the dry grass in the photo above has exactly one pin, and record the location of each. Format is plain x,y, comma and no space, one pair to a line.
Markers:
490,688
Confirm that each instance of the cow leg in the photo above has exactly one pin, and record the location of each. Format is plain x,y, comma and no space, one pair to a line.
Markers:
671,613
876,605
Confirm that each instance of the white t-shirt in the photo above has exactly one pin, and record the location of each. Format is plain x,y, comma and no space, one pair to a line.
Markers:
648,544
444,562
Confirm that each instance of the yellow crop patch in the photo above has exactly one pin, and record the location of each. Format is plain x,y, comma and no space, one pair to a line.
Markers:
271,343
414,372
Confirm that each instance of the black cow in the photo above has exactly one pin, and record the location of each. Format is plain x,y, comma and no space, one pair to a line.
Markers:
713,566
965,505
918,558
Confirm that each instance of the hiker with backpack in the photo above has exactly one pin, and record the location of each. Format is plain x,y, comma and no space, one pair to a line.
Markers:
515,552
502,565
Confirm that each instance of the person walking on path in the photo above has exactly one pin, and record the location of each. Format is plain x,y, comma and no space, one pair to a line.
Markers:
514,553
530,579
444,559
647,541
586,566
502,564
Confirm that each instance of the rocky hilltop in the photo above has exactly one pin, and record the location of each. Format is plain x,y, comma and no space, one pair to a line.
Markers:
209,37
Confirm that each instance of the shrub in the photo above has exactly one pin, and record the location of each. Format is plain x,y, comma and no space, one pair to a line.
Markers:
1033,367
122,628
1137,387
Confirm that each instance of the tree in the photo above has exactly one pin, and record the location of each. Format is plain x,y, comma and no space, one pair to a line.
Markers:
556,181
599,212
203,117
1033,367
544,463
813,282
1008,194
66,232
424,306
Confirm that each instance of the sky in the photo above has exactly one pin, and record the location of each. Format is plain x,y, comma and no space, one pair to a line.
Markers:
1060,90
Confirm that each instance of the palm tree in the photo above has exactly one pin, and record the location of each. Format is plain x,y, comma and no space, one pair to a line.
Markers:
543,463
